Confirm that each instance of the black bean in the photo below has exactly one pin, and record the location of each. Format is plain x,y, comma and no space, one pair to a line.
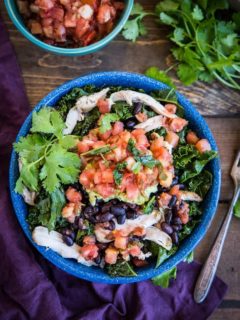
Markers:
104,217
106,207
137,107
91,219
68,232
175,181
132,214
176,227
173,201
174,237
162,189
111,225
80,223
181,205
175,210
98,259
88,211
96,209
168,216
121,219
181,186
114,201
166,228
118,210
177,221
68,240
132,205
130,124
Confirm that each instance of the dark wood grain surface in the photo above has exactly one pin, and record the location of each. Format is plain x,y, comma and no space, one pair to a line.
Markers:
43,71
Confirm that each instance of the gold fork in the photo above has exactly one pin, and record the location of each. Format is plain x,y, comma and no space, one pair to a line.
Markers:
209,269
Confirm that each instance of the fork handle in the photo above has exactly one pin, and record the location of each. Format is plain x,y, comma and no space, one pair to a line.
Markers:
208,271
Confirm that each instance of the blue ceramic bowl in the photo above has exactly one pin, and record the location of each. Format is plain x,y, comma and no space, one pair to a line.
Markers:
18,21
209,206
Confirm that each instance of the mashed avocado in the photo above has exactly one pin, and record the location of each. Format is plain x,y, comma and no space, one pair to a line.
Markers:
93,196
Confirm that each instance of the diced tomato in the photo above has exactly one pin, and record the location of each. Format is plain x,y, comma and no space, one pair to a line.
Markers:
142,141
73,195
183,213
57,13
120,242
104,136
82,147
172,108
103,106
132,191
203,145
59,33
175,190
102,165
138,132
105,13
48,32
177,124
156,145
164,199
70,20
36,28
118,127
89,37
165,178
46,22
127,179
141,116
89,251
192,138
45,4
111,255
139,231
86,177
120,154
98,144
107,176
98,177
172,138
125,136
81,28
89,239
68,210
105,190
163,156
134,250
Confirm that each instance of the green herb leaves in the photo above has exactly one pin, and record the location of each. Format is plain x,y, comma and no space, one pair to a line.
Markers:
206,48
98,151
134,27
236,209
163,279
106,120
155,73
45,159
117,173
148,208
121,269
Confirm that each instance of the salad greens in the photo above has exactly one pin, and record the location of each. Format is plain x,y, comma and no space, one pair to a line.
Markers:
236,209
148,208
121,269
163,279
117,173
106,120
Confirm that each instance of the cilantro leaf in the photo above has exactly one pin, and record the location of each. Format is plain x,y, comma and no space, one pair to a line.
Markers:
163,279
57,203
117,173
97,151
155,73
189,257
29,177
236,209
197,13
106,120
134,27
167,5
167,19
47,120
187,73
61,166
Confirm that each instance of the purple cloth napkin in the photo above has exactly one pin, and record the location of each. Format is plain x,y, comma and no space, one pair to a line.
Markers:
32,288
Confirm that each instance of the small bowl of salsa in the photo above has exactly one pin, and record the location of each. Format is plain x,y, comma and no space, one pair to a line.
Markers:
69,27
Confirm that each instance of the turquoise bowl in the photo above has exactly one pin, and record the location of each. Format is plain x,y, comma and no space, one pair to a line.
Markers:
209,205
18,21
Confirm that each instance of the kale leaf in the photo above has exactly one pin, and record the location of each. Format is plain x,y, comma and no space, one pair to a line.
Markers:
121,269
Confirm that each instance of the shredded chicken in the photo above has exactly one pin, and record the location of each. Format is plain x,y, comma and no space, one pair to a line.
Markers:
133,96
83,105
54,241
158,236
190,196
151,124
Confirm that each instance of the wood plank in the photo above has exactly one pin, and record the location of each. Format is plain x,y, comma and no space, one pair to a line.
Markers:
225,314
228,269
227,134
43,71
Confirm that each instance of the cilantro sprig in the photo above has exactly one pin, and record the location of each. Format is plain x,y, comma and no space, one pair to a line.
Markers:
134,27
45,155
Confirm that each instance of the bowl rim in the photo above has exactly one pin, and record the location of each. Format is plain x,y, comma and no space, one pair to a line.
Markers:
70,51
199,231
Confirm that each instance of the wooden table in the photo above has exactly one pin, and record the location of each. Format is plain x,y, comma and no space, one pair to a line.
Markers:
43,71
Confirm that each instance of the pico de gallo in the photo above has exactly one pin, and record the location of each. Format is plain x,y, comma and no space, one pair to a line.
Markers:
119,176
70,23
